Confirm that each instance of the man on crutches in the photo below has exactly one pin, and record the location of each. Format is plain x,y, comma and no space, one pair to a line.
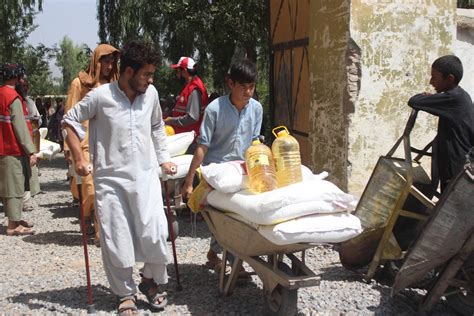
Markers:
127,144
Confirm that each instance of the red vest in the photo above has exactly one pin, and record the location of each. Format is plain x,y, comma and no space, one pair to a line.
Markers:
182,102
9,145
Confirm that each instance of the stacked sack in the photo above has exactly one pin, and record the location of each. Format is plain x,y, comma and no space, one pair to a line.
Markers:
47,149
177,145
311,211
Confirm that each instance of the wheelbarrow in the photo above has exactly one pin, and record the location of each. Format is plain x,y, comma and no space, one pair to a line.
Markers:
280,280
392,209
446,245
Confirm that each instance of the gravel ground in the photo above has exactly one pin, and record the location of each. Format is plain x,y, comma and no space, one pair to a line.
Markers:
44,273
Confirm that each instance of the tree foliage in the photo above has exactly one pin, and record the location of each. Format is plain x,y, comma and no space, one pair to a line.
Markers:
16,23
71,59
36,63
209,31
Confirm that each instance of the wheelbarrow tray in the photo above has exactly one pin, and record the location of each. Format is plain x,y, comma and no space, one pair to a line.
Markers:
246,244
381,198
451,224
243,238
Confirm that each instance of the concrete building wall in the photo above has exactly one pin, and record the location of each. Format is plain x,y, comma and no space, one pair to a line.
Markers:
464,47
328,38
398,41
366,58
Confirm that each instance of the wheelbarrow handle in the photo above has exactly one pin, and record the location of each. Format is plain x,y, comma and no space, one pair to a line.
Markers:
405,136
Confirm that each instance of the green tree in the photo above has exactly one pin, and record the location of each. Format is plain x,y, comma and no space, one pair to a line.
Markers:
16,23
36,63
71,59
210,31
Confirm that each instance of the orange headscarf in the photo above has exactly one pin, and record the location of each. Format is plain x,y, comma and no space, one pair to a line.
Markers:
90,77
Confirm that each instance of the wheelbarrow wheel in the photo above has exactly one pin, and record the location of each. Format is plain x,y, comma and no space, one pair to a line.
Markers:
282,301
462,300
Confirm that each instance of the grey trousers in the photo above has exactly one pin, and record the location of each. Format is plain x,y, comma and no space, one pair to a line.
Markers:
121,279
13,208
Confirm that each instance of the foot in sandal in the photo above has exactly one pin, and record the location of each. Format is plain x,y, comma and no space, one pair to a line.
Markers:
20,231
26,224
156,299
127,305
213,260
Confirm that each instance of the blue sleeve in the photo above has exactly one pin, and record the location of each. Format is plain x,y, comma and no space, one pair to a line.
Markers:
258,121
207,128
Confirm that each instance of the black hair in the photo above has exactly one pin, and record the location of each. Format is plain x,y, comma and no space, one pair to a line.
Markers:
243,71
192,72
449,65
10,71
136,54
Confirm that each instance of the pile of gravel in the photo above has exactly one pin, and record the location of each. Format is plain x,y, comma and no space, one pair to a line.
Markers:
45,273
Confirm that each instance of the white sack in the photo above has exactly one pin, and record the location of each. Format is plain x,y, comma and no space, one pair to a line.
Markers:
231,176
48,149
178,144
43,132
327,228
296,200
182,164
227,177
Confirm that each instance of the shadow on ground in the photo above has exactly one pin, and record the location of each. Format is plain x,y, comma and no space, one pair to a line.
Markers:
405,303
200,295
70,297
338,273
61,238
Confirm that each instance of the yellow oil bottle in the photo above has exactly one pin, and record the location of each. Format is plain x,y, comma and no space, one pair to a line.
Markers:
286,154
260,168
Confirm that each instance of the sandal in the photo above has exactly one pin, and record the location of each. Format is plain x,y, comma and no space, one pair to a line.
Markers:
20,231
25,223
127,305
213,261
155,298
212,264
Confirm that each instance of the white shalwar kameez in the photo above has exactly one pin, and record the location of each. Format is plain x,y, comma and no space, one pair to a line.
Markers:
127,144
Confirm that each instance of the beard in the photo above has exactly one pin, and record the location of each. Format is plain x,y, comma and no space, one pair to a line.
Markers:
20,90
133,83
182,80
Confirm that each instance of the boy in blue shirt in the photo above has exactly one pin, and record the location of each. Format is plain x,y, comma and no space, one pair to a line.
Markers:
230,124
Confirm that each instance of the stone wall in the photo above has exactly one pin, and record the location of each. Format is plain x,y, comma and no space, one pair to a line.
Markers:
464,47
366,58
328,42
398,41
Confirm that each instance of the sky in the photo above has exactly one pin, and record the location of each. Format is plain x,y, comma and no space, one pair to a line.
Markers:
75,18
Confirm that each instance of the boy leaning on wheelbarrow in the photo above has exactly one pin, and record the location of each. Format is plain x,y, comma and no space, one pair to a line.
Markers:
453,106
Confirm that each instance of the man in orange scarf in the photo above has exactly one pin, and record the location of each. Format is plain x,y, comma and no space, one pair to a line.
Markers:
103,68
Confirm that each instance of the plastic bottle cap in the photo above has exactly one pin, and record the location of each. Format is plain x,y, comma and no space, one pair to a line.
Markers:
256,142
282,133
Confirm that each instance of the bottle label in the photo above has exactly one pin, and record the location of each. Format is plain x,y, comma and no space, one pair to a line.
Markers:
288,162
258,160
